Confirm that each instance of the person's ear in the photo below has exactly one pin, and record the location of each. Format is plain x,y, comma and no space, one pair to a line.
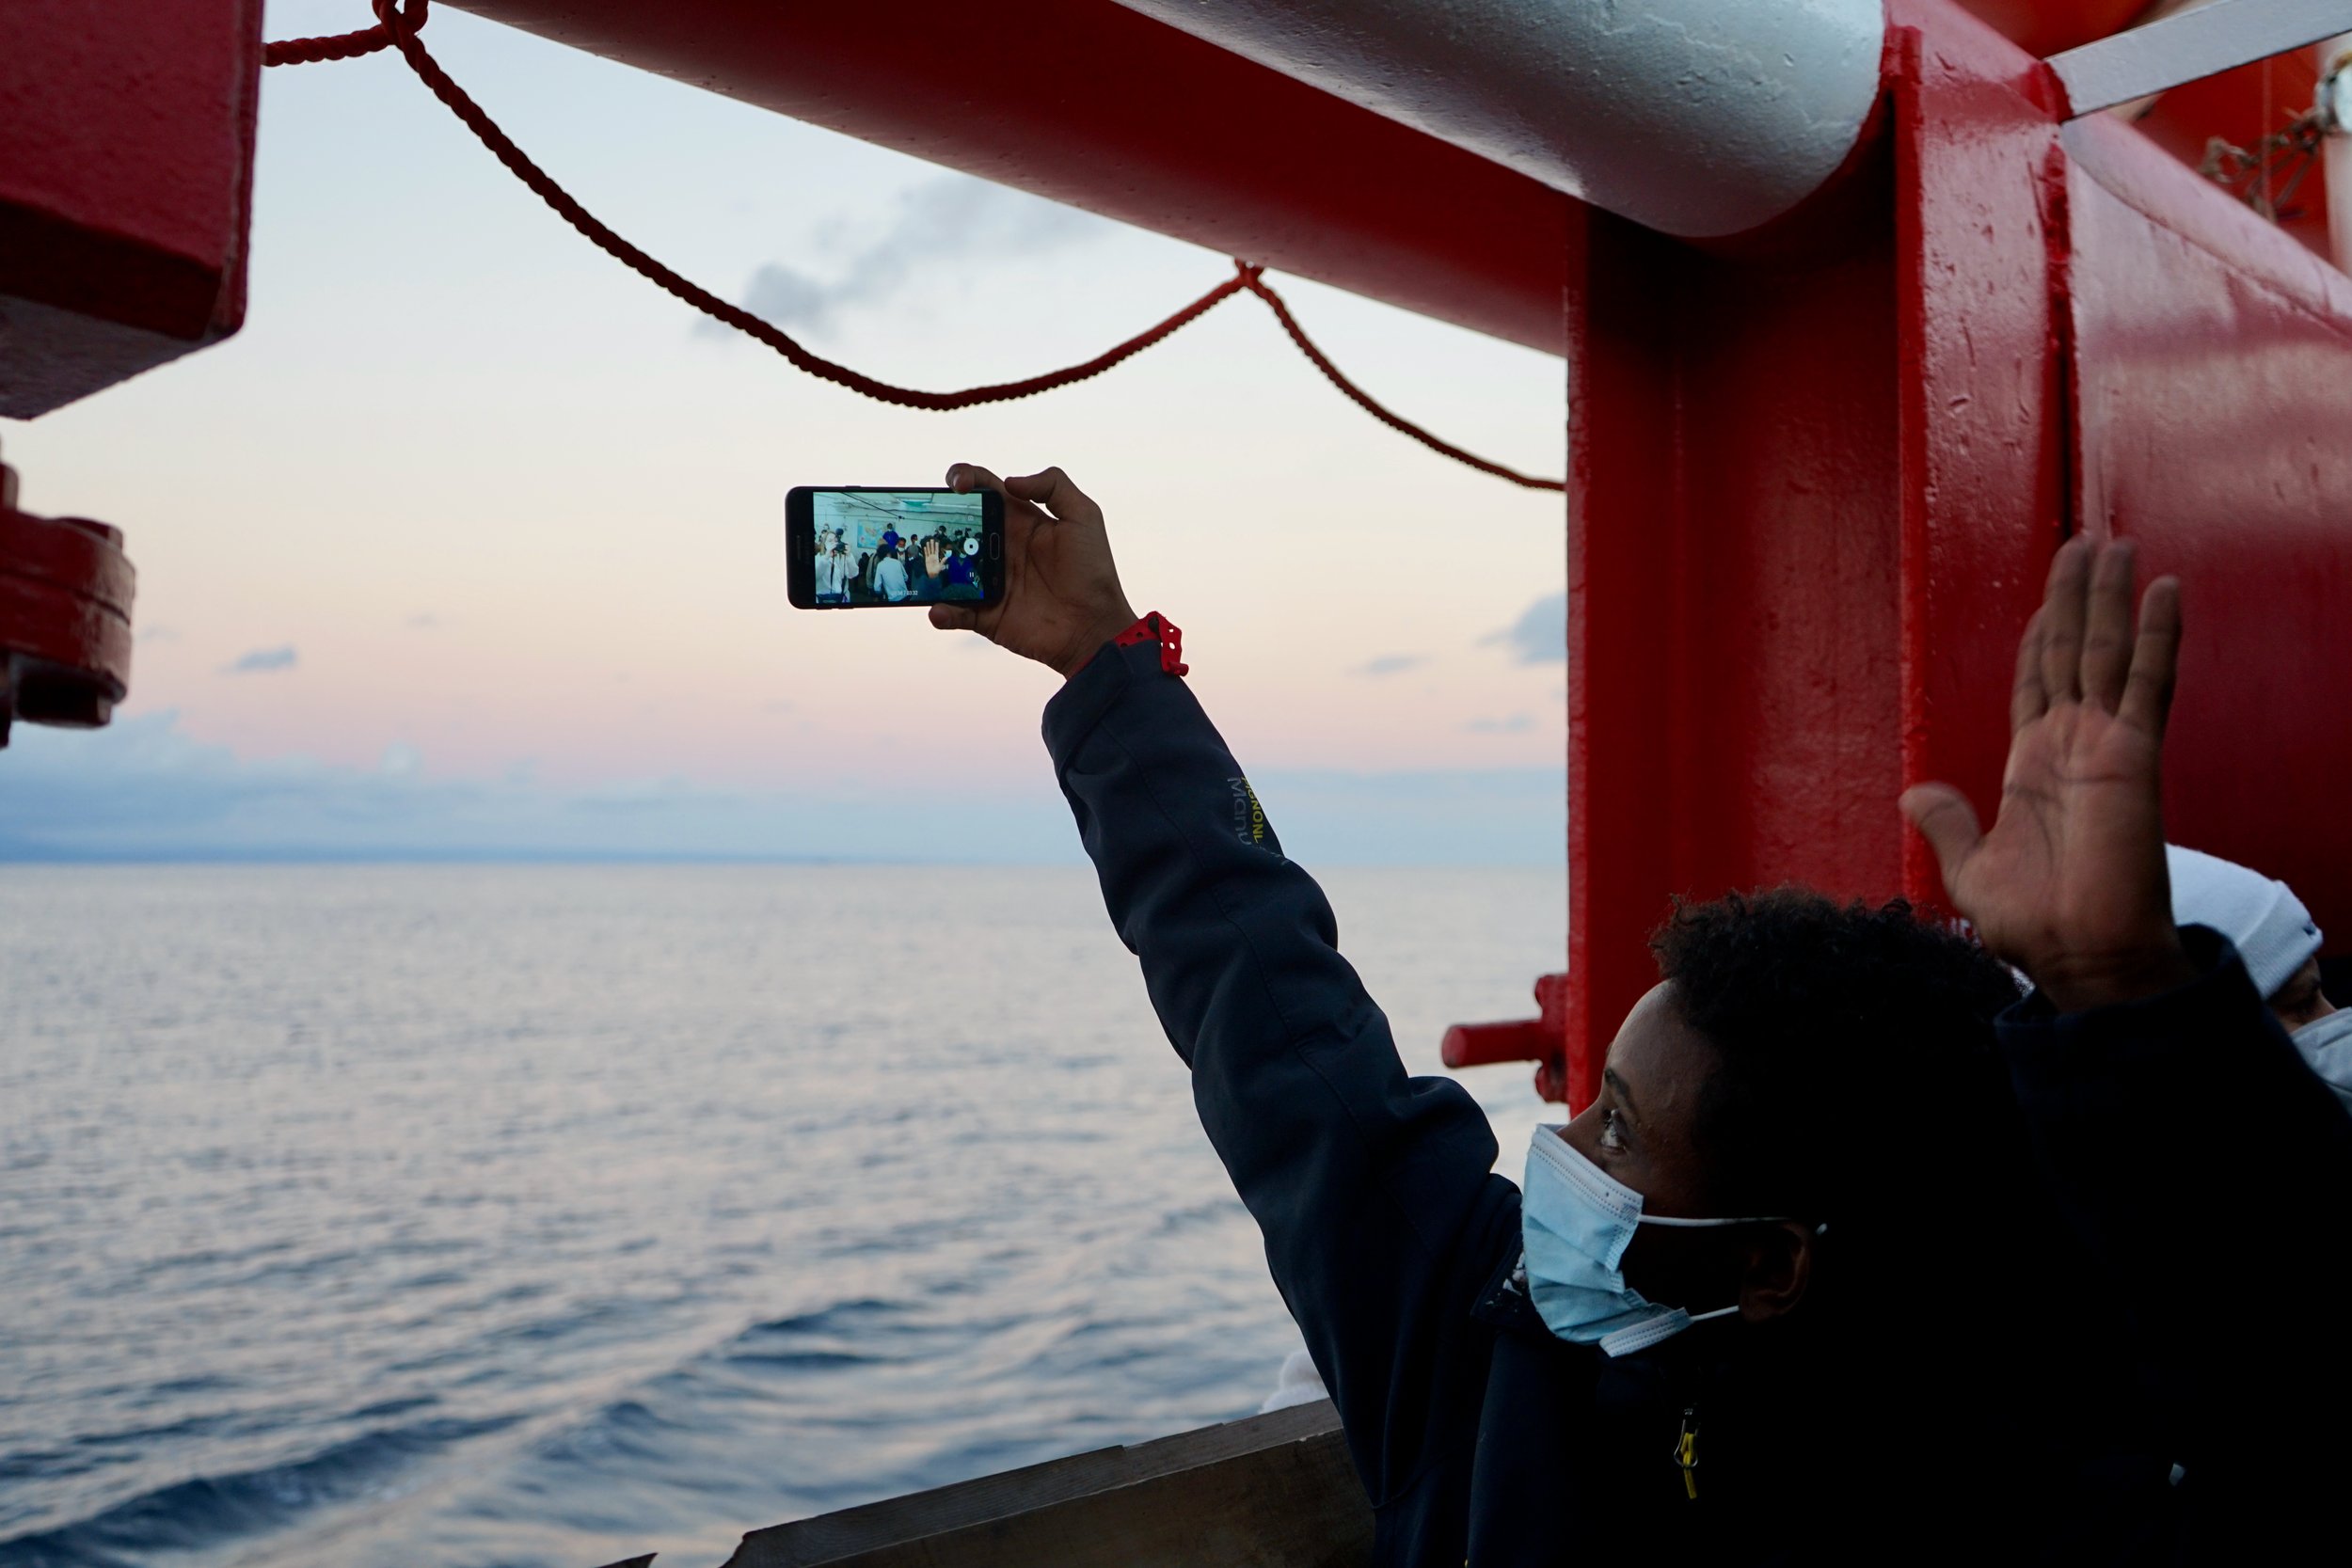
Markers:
1777,1270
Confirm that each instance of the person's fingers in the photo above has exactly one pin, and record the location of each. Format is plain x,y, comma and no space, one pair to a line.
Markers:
1949,823
2063,621
948,617
2028,701
1020,515
2107,624
2147,701
1052,491
968,476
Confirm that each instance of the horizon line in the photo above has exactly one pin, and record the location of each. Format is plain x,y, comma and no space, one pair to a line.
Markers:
16,856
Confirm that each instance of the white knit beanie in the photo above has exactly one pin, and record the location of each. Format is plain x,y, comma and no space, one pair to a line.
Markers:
2274,932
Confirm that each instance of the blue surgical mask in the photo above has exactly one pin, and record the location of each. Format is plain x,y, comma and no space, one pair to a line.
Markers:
1576,1221
2327,1044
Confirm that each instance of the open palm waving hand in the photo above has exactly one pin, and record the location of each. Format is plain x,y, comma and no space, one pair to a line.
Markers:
2070,883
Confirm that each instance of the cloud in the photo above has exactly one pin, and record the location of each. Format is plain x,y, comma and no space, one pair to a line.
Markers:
954,217
160,634
1538,637
1518,723
259,660
1390,664
421,623
142,789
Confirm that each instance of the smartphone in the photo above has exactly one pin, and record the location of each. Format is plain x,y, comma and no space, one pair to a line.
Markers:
856,547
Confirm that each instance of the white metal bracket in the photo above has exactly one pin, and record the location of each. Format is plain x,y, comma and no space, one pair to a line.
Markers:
2191,46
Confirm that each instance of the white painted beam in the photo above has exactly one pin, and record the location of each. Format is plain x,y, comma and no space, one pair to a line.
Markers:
1699,117
2335,99
2191,46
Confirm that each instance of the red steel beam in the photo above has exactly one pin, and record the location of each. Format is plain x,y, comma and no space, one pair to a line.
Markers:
126,162
1087,103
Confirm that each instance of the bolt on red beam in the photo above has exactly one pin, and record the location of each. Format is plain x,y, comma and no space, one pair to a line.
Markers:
65,617
1487,1044
1542,1040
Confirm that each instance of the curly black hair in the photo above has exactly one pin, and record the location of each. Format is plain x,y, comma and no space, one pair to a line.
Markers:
1856,1060
1858,1083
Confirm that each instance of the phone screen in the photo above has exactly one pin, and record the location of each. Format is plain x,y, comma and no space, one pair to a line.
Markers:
859,548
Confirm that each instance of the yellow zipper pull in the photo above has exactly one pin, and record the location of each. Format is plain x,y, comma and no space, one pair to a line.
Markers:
1687,1454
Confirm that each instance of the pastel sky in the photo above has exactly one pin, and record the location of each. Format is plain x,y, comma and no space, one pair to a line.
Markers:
470,541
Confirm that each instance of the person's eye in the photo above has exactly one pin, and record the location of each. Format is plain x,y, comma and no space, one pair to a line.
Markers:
1610,1137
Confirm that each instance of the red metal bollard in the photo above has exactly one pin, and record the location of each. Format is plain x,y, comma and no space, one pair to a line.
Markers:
65,617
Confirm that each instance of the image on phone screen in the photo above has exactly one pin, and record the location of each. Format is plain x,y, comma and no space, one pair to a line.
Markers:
896,546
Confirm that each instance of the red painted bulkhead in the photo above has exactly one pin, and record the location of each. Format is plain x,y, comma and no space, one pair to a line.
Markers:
2241,107
2213,393
1813,498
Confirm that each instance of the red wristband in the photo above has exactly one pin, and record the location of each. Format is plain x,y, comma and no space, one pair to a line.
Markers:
1156,627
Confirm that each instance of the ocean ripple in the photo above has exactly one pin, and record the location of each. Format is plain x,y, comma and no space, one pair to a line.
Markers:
536,1217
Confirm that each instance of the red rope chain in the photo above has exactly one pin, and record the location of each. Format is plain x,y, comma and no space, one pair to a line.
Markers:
341,46
1364,400
397,25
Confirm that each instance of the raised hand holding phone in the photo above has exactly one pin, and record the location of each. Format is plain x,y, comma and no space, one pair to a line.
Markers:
2070,884
1062,600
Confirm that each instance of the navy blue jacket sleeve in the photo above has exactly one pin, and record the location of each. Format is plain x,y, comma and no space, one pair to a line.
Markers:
1374,1191
2205,1170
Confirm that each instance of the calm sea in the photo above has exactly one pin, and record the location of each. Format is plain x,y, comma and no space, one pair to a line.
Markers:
547,1216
